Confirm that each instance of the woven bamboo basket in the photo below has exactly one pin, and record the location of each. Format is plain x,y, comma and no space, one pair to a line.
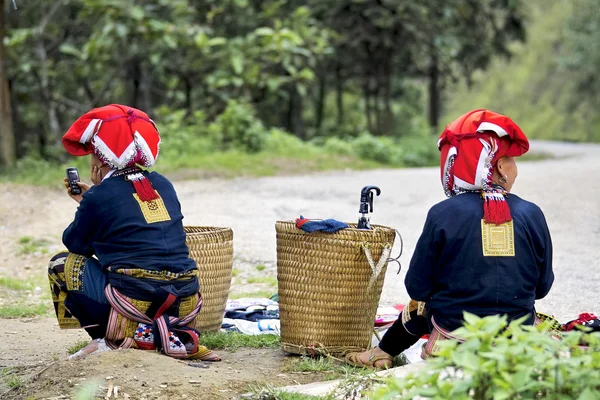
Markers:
329,287
212,249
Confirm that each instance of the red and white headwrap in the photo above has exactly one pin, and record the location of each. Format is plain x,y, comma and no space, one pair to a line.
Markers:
470,148
121,137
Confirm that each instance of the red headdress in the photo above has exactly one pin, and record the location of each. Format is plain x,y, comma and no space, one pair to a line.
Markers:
121,137
470,148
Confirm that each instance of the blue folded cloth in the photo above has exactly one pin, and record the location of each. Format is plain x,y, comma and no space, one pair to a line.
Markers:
322,225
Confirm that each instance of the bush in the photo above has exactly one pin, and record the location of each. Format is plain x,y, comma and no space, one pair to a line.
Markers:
499,362
383,150
239,128
336,145
183,135
282,143
419,150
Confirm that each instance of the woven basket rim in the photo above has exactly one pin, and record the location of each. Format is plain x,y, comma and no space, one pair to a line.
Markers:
351,228
200,229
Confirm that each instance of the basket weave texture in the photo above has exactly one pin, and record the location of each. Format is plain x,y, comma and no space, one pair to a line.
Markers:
328,295
212,249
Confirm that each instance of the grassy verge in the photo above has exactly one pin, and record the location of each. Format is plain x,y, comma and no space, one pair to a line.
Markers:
234,341
228,164
22,311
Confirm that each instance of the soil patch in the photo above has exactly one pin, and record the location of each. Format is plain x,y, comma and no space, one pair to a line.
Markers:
43,372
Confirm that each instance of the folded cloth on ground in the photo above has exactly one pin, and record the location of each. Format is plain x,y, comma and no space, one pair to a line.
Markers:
261,327
254,313
322,225
387,315
246,302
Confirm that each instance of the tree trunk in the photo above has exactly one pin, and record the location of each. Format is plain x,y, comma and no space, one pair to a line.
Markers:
339,83
7,137
295,121
434,92
188,95
135,76
320,104
53,123
388,116
367,97
376,101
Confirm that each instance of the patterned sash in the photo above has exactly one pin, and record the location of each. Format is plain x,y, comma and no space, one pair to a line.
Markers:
167,328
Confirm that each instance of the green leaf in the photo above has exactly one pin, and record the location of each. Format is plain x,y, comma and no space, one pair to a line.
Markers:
137,13
122,30
466,360
67,48
264,31
217,41
471,319
589,394
170,41
307,74
237,62
501,394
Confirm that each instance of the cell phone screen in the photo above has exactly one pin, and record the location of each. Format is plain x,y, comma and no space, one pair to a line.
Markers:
73,176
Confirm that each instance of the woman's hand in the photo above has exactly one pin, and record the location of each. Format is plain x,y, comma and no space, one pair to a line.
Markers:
77,197
96,174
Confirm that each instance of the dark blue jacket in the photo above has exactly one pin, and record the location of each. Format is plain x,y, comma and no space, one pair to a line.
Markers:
110,225
450,272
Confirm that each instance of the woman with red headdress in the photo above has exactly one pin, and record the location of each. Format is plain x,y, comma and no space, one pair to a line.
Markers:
127,277
483,250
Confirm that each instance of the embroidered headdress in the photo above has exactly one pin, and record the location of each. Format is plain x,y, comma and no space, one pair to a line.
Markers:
121,137
470,148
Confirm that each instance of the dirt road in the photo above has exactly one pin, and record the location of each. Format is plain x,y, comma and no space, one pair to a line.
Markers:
564,187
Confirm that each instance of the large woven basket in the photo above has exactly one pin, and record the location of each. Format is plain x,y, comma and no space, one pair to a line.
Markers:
328,288
212,249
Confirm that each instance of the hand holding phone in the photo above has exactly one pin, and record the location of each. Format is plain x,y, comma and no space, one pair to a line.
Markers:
72,180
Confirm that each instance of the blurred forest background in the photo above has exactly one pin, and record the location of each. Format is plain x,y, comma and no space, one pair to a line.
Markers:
248,85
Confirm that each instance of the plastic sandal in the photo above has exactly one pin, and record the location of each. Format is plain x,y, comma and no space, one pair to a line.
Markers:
100,347
354,360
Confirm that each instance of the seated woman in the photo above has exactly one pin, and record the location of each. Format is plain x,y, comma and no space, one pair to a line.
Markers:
483,250
127,277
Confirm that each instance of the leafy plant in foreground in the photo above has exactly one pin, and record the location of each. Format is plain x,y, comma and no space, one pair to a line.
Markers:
499,362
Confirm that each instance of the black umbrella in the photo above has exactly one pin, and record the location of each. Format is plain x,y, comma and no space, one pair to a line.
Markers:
366,205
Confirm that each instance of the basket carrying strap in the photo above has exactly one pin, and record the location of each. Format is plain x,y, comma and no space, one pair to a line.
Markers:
376,268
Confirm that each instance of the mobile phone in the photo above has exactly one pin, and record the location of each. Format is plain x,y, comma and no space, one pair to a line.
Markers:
73,178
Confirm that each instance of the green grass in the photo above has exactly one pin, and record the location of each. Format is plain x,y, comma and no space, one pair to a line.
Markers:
228,164
30,245
234,340
332,368
268,392
307,364
259,293
12,380
269,280
21,311
260,267
77,346
536,156
235,272
15,284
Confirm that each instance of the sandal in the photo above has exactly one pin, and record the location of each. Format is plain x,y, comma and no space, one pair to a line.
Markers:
353,359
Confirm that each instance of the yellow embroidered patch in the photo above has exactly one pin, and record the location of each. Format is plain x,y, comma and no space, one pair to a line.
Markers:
153,211
498,240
